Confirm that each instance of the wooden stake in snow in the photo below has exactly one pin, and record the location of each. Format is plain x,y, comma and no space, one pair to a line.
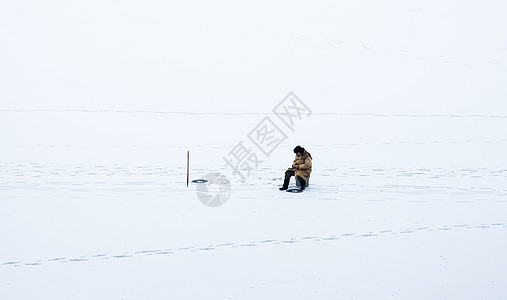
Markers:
188,165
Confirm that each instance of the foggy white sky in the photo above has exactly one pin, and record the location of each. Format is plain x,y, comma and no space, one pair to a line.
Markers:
342,56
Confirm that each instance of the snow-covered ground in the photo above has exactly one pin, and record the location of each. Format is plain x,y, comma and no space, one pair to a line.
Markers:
416,217
100,102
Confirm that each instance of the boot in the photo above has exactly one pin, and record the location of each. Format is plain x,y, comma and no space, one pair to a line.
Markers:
286,181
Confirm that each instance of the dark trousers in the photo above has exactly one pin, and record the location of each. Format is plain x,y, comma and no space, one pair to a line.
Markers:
288,175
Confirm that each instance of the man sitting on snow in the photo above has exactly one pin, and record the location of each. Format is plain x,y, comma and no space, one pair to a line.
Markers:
301,168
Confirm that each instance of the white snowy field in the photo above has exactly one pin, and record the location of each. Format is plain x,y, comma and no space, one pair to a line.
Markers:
100,102
416,217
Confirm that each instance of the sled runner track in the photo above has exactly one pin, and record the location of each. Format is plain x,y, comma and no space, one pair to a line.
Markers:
287,241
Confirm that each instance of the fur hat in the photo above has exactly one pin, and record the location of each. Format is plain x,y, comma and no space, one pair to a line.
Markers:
299,149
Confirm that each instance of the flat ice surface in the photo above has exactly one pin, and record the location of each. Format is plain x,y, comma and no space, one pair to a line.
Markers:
99,103
417,217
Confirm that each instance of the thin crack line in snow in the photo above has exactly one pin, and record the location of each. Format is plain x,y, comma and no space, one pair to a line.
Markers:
332,44
253,244
253,113
228,146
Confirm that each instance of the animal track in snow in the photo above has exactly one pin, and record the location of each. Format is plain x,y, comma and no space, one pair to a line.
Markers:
291,241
